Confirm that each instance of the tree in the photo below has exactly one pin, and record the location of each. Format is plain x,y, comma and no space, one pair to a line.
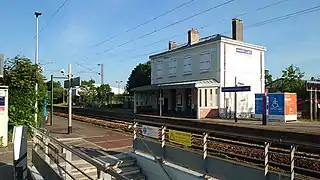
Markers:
57,91
140,76
291,81
21,76
267,77
88,93
103,93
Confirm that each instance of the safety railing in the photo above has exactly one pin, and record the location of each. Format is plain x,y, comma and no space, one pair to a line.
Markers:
56,152
136,134
292,157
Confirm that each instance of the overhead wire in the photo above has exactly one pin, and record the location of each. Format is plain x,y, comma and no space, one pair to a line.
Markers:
140,25
167,26
257,24
47,22
202,27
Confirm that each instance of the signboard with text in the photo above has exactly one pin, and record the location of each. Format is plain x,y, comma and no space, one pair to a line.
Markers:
180,137
74,82
150,131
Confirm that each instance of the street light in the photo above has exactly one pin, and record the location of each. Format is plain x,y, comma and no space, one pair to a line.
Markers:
119,86
101,73
37,14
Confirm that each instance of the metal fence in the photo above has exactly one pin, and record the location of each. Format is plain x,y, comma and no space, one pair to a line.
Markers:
292,157
55,152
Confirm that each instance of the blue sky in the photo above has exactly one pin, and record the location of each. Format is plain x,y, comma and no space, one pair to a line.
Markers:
82,23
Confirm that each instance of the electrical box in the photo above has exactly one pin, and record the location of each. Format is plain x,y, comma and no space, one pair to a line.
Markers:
4,116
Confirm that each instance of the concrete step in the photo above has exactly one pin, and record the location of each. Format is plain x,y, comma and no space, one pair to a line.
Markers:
128,170
136,176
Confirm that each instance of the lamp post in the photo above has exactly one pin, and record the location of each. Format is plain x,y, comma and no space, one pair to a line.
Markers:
37,14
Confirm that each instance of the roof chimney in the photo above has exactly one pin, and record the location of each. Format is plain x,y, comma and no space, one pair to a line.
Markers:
237,29
172,45
193,36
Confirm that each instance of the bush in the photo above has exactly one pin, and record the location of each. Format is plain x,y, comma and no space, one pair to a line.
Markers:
21,76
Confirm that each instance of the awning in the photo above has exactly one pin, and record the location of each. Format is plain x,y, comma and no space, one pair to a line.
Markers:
180,85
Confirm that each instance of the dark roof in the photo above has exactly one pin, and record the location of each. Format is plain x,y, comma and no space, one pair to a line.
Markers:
208,39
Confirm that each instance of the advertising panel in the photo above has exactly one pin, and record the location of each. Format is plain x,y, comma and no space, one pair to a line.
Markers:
150,131
180,137
291,104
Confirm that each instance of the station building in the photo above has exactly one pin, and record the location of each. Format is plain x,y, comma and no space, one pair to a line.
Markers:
186,79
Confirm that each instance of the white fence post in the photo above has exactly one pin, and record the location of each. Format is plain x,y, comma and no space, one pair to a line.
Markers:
205,145
293,149
266,158
68,166
163,136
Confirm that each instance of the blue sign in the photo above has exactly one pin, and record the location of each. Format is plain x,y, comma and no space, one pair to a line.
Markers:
258,103
236,89
243,51
276,104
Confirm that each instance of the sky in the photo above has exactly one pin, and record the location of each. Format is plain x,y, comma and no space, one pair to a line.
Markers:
69,36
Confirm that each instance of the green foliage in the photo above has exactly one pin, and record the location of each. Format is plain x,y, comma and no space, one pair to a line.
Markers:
21,76
140,76
56,84
102,92
90,95
290,81
267,77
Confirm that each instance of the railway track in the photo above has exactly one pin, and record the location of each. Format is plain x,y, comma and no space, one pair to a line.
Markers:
236,147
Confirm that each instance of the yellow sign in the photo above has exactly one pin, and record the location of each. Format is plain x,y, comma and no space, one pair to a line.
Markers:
180,137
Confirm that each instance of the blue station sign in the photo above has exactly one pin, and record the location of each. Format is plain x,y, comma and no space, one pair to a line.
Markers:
236,89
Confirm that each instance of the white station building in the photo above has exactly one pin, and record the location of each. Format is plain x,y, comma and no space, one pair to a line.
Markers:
187,79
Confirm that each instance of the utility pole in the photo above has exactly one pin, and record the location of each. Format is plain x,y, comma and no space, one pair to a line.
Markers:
37,14
51,112
101,73
70,101
316,104
235,101
311,111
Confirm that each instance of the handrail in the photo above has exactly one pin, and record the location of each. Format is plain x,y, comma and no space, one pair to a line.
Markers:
83,156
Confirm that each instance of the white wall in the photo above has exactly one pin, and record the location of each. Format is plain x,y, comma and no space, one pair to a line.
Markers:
248,68
195,54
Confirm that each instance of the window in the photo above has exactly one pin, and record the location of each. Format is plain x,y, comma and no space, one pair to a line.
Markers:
200,97
172,67
205,98
187,65
159,69
205,62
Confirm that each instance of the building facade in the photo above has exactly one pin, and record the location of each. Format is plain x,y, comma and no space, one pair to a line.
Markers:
186,80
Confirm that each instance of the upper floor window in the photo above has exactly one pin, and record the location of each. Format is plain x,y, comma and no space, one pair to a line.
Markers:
187,65
205,62
172,67
159,69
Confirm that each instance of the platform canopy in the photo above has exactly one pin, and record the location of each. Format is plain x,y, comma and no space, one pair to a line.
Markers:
180,85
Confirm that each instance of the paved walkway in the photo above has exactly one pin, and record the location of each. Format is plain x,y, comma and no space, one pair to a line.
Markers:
90,135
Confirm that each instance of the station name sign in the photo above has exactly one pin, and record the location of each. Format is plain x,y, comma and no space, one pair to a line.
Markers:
243,51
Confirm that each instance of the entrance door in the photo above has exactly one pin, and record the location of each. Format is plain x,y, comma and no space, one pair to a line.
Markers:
165,105
188,101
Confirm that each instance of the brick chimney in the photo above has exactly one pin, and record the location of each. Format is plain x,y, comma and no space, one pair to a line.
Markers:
193,36
172,45
237,29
